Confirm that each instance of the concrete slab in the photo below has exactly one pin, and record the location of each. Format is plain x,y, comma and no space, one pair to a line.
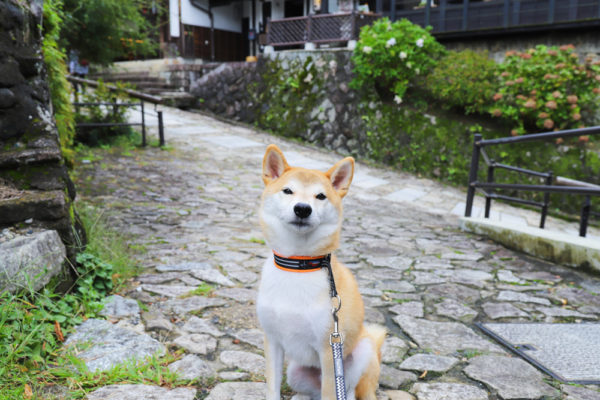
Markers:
298,160
569,352
459,209
366,181
558,247
230,141
192,130
405,195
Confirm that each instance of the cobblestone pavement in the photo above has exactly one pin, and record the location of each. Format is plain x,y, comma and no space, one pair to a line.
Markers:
193,209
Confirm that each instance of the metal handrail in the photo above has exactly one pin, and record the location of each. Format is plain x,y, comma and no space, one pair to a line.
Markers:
133,93
564,185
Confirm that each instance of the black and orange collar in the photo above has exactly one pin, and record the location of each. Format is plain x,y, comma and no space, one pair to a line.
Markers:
301,263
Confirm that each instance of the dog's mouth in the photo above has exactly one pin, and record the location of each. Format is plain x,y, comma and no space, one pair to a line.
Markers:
300,223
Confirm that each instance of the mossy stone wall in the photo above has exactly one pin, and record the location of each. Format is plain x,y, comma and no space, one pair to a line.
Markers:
31,162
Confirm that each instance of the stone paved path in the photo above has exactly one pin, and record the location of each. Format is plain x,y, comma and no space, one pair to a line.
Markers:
193,209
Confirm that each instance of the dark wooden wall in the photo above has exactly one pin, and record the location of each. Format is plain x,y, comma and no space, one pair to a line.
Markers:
229,46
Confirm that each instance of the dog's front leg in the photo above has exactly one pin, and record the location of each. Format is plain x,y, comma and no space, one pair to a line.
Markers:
274,358
327,373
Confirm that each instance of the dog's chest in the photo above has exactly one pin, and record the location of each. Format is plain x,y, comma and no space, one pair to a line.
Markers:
294,310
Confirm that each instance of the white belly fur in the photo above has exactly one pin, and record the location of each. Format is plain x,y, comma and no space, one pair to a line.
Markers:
294,311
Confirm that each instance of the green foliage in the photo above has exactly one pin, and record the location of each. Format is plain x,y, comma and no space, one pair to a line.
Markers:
32,324
464,79
546,88
107,246
106,30
392,55
95,136
285,94
438,145
415,141
60,89
95,276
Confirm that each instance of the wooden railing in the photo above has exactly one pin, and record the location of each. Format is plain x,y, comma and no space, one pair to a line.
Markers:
456,17
322,28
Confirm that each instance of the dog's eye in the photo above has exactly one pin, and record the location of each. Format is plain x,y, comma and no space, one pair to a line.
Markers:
287,191
321,196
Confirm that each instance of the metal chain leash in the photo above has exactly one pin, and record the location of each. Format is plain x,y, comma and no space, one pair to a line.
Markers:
336,340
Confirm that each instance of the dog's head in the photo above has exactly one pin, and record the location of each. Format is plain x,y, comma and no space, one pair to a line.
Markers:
301,210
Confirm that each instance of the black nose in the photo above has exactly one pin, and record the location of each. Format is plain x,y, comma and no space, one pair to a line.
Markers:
302,210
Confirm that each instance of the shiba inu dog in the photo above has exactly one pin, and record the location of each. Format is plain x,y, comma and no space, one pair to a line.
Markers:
301,217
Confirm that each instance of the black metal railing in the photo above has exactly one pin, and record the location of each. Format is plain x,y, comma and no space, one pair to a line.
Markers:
320,28
133,93
455,17
562,185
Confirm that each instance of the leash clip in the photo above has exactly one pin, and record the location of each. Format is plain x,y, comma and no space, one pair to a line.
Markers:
336,335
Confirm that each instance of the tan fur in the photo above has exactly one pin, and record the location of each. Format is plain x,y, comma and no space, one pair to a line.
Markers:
276,174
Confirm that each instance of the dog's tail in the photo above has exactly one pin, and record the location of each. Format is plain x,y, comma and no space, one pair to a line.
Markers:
367,386
377,334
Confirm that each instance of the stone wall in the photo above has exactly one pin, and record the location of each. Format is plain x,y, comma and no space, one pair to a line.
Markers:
332,121
36,192
586,42
224,90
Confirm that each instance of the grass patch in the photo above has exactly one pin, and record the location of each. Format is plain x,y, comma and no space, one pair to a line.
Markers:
108,245
204,289
80,381
256,240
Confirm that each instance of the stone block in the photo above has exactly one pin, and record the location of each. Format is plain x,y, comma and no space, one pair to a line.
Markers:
42,206
31,260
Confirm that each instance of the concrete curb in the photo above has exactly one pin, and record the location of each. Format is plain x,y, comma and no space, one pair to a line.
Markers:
573,251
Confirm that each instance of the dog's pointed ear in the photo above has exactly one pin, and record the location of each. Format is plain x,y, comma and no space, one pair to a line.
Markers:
274,164
341,175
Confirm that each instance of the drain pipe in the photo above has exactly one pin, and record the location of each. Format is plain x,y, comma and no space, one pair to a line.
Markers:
209,12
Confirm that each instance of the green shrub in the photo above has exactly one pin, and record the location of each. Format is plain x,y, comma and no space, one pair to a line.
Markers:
102,114
286,94
546,89
392,55
60,89
464,79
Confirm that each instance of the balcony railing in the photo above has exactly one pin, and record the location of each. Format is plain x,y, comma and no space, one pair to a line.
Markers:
455,17
322,28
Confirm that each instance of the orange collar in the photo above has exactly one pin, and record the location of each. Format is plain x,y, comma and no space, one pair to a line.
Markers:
300,263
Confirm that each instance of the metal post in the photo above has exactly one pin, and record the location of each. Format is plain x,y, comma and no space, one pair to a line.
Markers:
353,33
465,15
506,13
442,20
473,174
585,215
516,12
393,10
143,125
308,26
488,199
551,11
161,130
546,201
378,6
572,10
427,12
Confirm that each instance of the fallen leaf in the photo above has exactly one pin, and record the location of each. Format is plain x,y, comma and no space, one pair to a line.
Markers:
27,392
236,341
423,375
564,302
58,331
